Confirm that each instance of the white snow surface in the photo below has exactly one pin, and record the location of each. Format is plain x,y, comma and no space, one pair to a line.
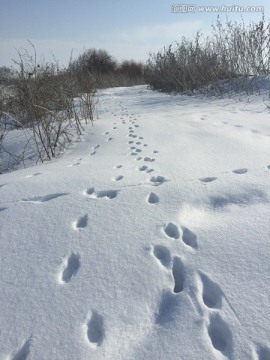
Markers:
149,239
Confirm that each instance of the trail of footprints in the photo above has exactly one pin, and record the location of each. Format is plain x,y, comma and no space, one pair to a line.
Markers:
210,297
209,294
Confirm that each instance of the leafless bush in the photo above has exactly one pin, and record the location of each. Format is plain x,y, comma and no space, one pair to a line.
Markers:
220,63
41,102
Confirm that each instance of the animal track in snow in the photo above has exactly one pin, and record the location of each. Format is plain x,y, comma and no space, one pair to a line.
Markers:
138,143
139,158
268,167
118,178
81,223
152,199
145,145
24,351
157,180
31,175
118,166
143,168
93,152
148,159
220,334
240,171
138,150
109,139
207,179
140,138
263,352
95,330
108,194
155,152
172,231
95,147
3,209
136,125
70,267
178,272
42,199
162,254
211,292
189,238
131,142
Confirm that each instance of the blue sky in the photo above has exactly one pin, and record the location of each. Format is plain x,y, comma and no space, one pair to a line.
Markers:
126,29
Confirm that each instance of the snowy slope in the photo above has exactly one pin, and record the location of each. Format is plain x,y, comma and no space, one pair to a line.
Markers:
150,239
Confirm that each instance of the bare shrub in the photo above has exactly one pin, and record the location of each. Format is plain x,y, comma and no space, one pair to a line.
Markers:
217,64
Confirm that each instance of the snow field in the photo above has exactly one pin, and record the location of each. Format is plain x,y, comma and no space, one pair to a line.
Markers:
147,240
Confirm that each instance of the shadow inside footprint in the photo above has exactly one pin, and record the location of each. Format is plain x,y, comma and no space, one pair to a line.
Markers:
23,353
167,307
72,267
207,179
162,254
220,334
263,353
172,231
153,199
240,171
95,329
178,275
189,238
211,292
81,222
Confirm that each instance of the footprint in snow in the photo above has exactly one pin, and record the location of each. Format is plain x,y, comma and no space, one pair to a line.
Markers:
240,171
81,223
70,267
152,198
138,143
94,328
118,166
263,352
24,351
220,334
109,139
211,292
157,180
93,153
172,231
155,151
118,178
178,272
32,175
207,179
131,142
3,209
42,199
148,159
189,238
162,254
268,167
107,194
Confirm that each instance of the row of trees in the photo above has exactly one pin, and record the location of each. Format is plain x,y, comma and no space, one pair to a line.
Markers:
228,58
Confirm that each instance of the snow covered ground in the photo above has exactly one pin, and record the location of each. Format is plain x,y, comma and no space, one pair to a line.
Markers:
149,239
